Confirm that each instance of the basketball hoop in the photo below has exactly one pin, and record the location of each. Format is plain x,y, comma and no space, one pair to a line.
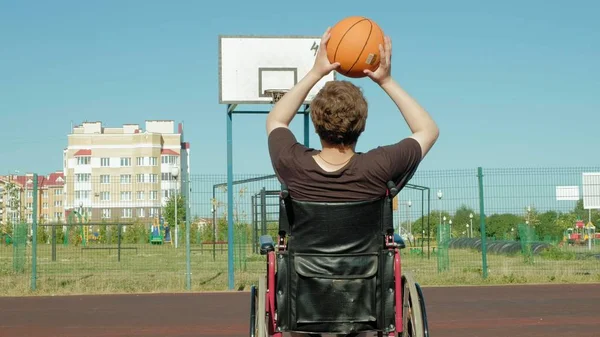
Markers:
275,94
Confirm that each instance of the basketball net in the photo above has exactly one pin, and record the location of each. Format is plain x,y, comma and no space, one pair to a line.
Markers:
275,94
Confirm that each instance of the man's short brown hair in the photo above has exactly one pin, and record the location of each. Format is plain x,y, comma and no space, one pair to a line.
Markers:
339,113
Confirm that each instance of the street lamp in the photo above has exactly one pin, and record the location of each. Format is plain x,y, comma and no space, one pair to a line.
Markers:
409,204
471,219
450,226
175,174
439,195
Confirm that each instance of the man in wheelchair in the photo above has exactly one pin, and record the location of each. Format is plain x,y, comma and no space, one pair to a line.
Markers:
335,258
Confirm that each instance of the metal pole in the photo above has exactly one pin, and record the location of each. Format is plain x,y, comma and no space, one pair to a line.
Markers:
253,210
176,222
306,125
428,219
119,243
34,234
482,224
214,216
53,243
188,251
263,211
230,241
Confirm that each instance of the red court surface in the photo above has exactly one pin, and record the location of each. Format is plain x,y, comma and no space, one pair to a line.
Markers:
516,311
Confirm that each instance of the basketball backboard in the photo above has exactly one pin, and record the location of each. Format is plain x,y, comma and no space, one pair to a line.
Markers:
250,65
591,190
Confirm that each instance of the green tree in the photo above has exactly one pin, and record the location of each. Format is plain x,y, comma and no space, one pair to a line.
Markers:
461,219
169,212
501,226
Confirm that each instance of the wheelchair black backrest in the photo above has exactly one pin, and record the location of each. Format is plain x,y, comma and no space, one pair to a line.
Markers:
336,227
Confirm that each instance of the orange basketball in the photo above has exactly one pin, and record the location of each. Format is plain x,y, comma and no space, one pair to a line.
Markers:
354,43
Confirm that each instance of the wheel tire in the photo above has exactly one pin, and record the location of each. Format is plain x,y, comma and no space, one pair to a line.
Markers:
253,307
261,308
423,311
412,315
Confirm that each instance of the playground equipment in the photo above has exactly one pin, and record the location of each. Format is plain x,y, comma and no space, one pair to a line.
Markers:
582,234
336,280
159,233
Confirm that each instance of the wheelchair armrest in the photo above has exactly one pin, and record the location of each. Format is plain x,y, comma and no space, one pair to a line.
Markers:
398,240
266,244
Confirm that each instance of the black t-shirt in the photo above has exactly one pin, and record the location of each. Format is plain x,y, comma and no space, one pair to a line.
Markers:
364,177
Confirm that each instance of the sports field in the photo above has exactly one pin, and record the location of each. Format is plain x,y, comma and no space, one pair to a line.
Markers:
516,311
152,268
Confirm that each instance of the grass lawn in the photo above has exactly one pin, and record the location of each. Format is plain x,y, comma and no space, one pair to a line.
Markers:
162,268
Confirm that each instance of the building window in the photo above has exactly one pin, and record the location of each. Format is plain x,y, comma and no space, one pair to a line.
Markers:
45,205
153,178
168,193
153,195
125,196
168,159
153,161
140,195
153,212
167,176
140,178
125,179
104,179
82,194
105,162
82,177
126,213
83,160
57,215
125,161
104,196
58,192
105,213
58,203
140,213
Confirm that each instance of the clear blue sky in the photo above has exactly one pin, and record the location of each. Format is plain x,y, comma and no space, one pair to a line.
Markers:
510,83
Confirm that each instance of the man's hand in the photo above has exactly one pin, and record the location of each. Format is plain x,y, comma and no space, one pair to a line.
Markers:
383,73
322,66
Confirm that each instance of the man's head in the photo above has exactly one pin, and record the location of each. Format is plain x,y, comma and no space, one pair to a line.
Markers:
339,113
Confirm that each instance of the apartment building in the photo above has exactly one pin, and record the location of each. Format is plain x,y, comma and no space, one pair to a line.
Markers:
16,198
124,173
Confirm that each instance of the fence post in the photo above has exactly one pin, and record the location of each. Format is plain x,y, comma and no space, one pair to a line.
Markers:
34,233
482,224
188,251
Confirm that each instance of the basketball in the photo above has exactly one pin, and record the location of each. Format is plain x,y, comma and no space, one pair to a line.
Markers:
354,43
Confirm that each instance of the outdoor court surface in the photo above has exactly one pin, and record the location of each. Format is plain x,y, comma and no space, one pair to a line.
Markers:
527,311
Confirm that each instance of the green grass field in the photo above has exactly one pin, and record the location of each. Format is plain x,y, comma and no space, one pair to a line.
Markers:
162,269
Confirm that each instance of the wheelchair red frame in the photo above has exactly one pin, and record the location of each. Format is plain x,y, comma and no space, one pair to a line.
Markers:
408,294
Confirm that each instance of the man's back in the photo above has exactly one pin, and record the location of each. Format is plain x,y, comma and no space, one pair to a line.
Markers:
363,177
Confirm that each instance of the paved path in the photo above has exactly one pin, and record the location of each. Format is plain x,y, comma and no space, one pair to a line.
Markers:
516,311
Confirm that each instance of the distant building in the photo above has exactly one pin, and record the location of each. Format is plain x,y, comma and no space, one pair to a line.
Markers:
16,198
123,173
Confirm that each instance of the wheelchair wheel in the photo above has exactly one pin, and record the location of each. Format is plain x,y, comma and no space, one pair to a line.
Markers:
412,311
258,320
423,311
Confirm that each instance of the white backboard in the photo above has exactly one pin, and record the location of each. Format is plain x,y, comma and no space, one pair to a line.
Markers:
570,193
249,65
591,190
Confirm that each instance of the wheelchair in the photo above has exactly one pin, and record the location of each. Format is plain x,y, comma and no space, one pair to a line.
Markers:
336,269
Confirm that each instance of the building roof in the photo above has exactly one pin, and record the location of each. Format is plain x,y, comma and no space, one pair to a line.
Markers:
83,153
55,179
169,152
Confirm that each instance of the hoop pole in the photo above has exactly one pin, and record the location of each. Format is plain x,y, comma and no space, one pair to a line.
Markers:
306,125
230,271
